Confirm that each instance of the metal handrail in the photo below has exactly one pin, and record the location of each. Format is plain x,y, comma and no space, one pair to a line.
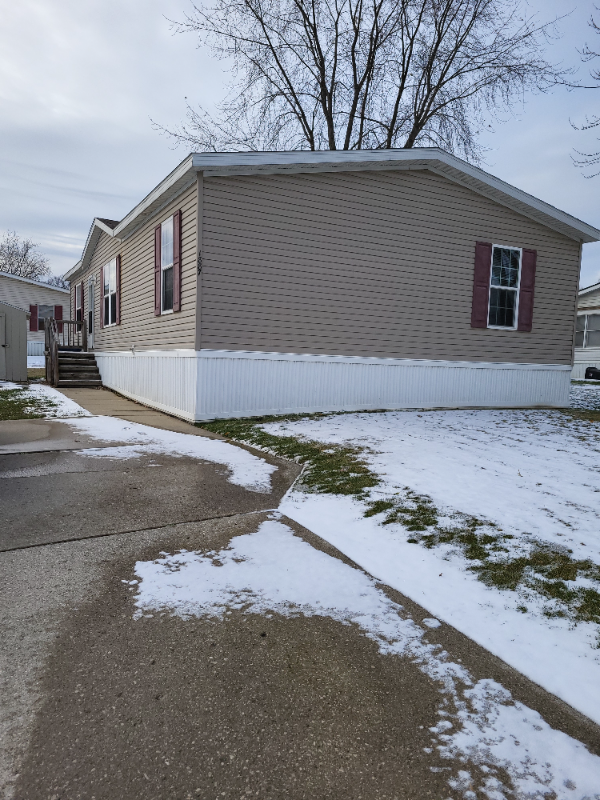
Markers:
62,334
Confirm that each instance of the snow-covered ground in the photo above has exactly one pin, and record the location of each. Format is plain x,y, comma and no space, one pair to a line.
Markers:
245,469
55,404
36,362
273,571
535,474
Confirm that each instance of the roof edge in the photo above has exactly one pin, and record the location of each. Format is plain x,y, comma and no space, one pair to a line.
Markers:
591,288
35,283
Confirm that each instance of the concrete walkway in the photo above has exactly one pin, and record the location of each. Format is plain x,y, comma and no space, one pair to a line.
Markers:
108,404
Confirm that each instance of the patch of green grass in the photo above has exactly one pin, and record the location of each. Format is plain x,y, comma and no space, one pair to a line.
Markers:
329,468
19,404
415,512
546,569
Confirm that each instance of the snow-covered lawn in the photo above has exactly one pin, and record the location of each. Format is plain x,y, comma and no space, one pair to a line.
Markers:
36,362
46,400
528,479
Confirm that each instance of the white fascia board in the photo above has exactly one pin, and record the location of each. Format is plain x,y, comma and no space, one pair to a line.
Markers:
181,176
589,289
34,283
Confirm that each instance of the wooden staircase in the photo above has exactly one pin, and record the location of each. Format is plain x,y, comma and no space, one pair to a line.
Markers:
77,368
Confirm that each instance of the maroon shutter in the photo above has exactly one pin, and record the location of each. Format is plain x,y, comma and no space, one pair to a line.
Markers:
33,320
157,276
82,302
177,261
481,285
528,262
118,270
101,297
58,316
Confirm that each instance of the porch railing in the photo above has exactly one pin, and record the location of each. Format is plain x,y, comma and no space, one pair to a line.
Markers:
65,335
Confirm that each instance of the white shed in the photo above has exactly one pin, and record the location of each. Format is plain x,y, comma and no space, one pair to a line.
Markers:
13,343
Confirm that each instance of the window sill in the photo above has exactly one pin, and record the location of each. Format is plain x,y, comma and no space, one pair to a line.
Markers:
500,328
168,311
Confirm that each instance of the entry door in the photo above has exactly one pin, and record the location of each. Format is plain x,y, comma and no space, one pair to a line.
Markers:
90,314
2,347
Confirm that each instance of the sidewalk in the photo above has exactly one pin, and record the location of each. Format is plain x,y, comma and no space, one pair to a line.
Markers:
108,404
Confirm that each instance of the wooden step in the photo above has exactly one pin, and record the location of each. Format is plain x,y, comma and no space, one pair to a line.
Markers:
73,383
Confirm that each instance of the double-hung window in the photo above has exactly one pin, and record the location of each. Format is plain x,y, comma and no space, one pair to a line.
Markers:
44,314
587,332
166,265
109,293
505,279
79,302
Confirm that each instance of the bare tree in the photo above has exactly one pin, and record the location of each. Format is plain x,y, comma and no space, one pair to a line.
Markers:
353,74
58,281
588,54
20,256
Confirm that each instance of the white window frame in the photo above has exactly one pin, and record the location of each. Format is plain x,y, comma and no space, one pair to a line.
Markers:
166,266
591,312
41,319
516,290
90,317
111,264
79,301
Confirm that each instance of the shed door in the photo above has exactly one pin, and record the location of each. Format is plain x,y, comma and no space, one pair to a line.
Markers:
2,347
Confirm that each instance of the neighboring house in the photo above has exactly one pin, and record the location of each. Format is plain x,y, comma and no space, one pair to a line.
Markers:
41,300
587,331
259,283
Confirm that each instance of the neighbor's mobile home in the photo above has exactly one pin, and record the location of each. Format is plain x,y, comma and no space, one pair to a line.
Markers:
587,333
259,283
40,300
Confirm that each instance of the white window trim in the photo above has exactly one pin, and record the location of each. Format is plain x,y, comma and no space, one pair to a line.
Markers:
105,323
516,290
164,310
79,290
583,346
589,312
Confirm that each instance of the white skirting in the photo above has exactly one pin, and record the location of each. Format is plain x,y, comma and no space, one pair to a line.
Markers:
212,384
35,348
165,380
584,358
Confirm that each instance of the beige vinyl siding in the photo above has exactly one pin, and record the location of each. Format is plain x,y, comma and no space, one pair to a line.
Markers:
22,294
591,300
370,264
139,327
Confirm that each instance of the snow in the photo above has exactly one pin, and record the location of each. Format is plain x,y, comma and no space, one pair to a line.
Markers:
64,406
134,440
36,362
535,474
272,570
59,405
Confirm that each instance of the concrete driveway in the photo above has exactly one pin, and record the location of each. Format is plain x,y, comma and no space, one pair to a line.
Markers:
101,702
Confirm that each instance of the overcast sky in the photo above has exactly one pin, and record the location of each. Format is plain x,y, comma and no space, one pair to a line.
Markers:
80,80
